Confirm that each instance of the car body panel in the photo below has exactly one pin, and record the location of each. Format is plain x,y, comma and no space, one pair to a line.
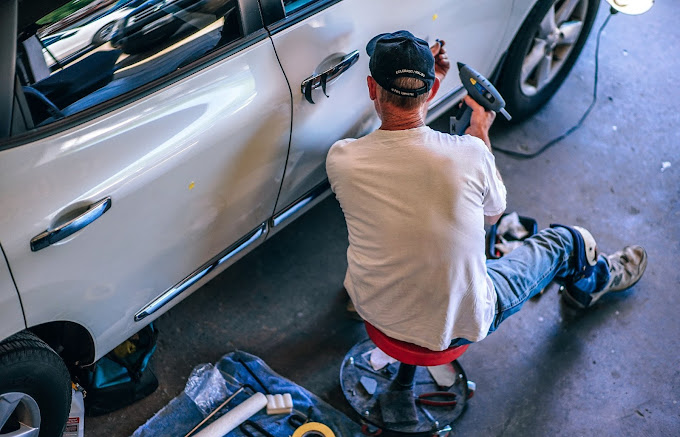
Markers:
520,11
194,168
347,26
186,181
11,315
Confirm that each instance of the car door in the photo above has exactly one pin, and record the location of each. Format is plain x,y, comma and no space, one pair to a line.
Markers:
165,182
320,35
11,317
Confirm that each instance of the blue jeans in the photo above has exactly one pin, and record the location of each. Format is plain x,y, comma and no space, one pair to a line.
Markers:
525,271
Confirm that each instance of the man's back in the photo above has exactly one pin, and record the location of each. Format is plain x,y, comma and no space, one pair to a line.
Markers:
414,201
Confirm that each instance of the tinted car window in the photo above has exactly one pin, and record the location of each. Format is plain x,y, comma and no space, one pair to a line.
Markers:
88,52
293,5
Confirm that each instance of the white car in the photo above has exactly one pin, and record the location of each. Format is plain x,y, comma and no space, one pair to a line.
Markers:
60,45
127,187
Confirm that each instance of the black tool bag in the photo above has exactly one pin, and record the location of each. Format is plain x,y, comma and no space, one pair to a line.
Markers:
122,376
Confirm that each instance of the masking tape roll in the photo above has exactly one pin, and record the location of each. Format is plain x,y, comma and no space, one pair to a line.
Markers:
313,429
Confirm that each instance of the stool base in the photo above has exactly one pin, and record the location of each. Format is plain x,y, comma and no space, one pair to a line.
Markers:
430,419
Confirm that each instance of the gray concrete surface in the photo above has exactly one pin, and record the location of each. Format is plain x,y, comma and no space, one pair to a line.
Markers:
613,370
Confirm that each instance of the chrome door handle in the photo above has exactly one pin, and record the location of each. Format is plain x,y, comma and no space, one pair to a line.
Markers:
322,79
50,237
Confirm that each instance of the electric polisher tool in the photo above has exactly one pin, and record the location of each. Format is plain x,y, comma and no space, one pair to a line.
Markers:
482,92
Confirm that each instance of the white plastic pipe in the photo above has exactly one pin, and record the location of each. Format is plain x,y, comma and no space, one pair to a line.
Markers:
235,417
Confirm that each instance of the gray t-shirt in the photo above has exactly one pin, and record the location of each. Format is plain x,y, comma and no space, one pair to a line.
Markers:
414,202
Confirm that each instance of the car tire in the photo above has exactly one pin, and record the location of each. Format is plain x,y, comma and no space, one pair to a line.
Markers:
35,387
543,53
104,34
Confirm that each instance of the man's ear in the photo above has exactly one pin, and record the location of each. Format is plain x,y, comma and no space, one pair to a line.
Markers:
435,88
372,88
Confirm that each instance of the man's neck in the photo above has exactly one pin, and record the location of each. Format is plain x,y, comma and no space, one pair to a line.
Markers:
402,120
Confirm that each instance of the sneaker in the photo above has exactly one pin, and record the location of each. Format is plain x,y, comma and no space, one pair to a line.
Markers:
625,270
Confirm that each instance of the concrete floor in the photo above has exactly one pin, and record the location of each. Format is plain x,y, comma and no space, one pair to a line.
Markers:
613,370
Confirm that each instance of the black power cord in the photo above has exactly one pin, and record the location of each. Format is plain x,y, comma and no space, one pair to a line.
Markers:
556,140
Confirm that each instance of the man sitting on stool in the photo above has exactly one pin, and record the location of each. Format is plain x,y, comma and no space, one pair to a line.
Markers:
415,201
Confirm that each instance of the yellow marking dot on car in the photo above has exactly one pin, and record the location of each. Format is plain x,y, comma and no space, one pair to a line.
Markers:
192,185
434,17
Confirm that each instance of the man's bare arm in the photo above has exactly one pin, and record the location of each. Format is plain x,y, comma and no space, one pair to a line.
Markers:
480,123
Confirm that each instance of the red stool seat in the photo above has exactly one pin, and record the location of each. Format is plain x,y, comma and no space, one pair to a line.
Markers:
409,353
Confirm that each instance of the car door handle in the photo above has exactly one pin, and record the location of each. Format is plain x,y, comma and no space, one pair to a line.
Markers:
50,237
322,79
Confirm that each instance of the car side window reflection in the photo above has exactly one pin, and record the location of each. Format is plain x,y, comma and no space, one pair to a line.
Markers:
90,51
293,5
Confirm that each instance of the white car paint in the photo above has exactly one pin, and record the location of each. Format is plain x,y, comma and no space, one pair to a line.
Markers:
186,180
196,165
11,316
472,31
79,38
520,10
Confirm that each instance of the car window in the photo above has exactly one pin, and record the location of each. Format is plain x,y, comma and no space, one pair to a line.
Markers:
293,5
87,52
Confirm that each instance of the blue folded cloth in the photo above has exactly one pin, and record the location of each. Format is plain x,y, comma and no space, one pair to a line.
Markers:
208,386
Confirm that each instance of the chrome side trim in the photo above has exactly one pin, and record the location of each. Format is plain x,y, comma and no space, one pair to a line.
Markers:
208,267
287,213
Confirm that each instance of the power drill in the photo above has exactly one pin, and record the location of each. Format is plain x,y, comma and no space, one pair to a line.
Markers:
481,90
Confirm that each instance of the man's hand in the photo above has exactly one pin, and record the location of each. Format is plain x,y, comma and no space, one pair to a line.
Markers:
441,59
480,121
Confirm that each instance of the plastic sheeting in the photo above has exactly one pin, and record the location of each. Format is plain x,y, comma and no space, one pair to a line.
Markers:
206,388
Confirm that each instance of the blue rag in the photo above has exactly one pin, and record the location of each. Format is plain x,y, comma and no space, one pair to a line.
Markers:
209,386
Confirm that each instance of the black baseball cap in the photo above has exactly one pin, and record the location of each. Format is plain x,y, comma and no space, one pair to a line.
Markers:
400,54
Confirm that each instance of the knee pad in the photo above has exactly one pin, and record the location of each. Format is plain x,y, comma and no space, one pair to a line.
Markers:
585,251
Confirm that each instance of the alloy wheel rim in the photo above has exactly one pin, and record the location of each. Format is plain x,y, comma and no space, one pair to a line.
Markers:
106,31
19,415
555,38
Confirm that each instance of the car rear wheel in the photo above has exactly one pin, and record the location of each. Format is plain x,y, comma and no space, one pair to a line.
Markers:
543,52
35,388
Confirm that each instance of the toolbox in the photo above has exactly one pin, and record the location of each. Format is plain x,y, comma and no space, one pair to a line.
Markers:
492,237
